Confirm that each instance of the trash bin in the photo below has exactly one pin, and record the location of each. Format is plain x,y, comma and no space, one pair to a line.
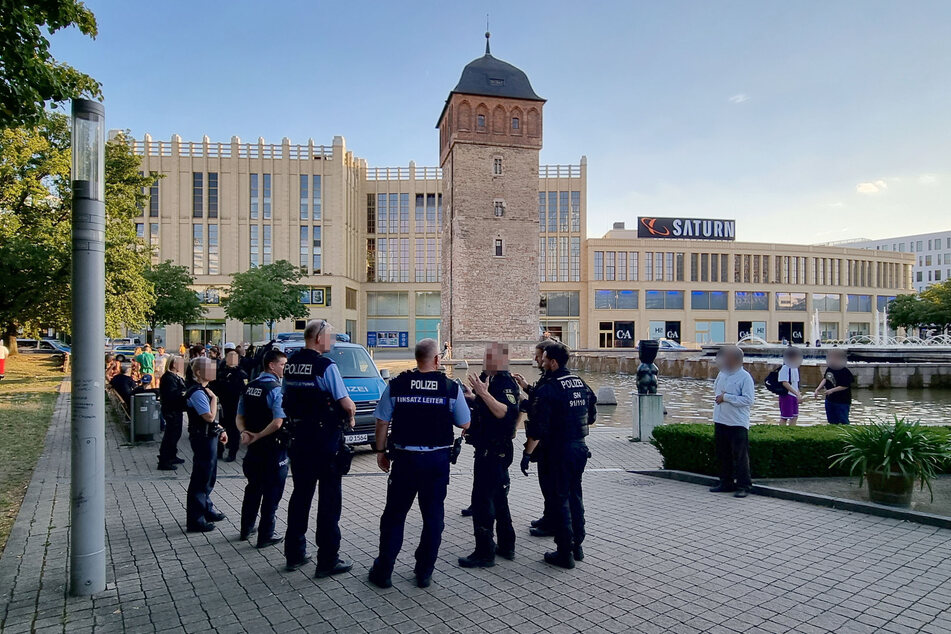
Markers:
145,417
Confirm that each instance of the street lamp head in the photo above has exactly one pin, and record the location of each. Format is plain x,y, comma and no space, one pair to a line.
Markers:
88,136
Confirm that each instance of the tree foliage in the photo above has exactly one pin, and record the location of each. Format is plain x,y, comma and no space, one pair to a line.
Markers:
35,223
30,78
175,302
266,294
930,307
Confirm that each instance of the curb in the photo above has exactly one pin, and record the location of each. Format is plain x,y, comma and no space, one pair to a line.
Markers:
855,506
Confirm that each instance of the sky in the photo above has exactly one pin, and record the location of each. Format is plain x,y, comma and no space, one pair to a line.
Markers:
807,121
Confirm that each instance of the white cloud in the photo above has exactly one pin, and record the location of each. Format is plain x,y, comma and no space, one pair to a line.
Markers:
739,98
927,179
835,205
873,187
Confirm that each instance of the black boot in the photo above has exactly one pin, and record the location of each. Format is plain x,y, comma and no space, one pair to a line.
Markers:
379,579
561,558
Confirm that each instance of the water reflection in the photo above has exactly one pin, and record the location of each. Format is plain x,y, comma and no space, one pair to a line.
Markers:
691,401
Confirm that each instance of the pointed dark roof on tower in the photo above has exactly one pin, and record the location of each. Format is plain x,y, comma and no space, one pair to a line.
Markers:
492,77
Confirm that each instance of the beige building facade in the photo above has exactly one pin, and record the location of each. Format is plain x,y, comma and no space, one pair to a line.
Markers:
490,245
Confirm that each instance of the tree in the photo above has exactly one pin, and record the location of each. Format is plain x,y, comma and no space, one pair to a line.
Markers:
175,302
937,298
905,311
266,294
30,78
35,245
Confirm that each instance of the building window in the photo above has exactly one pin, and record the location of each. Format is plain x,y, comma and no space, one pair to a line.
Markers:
428,304
615,300
304,247
316,197
197,195
599,265
254,246
497,166
561,304
212,194
632,266
498,247
609,257
542,265
791,301
743,300
304,197
153,234
859,304
576,211
198,249
420,258
317,262
371,259
431,217
563,209
140,230
254,192
552,258
499,209
708,300
266,203
575,274
420,213
351,298
213,263
552,212
827,302
404,213
371,213
664,300
394,213
563,259
154,199
515,123
266,252
480,121
541,211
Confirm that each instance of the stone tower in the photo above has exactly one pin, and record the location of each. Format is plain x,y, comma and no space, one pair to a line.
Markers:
490,133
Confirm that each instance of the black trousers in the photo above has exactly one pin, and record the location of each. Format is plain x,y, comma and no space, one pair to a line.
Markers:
733,453
168,450
229,414
265,468
312,463
566,464
198,504
545,484
490,501
424,474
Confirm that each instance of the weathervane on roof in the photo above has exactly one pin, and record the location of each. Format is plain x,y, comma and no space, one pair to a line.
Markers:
487,34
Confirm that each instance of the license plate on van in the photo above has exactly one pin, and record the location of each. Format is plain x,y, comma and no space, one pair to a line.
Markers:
355,439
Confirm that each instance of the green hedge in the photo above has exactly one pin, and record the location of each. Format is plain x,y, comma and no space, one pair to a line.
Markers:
775,452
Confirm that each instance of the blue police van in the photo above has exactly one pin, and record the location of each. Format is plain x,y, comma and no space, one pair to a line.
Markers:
364,381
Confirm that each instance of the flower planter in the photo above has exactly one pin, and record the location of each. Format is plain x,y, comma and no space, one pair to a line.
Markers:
892,489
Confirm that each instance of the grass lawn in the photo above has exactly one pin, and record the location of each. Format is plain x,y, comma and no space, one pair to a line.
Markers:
27,396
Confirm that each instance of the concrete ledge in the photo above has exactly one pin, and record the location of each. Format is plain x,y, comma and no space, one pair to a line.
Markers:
856,506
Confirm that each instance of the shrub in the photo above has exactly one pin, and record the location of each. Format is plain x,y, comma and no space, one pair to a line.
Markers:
775,452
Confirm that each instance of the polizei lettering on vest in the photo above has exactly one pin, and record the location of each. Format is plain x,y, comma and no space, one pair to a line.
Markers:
299,368
419,384
569,382
254,391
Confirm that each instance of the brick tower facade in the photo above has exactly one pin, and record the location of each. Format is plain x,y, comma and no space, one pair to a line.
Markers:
490,134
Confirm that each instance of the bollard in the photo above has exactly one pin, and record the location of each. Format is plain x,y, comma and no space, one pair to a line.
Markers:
606,395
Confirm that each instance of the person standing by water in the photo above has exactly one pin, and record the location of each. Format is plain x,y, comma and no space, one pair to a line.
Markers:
837,382
734,394
789,379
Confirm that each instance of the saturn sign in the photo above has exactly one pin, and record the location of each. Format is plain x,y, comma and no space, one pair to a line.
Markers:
686,228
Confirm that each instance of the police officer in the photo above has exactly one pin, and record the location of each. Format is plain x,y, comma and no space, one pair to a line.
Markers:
172,390
539,527
229,386
564,407
318,407
419,408
495,415
204,434
260,419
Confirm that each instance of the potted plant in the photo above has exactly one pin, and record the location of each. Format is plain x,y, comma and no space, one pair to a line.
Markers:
892,456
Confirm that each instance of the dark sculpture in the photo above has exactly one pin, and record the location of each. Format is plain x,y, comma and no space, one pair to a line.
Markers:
647,371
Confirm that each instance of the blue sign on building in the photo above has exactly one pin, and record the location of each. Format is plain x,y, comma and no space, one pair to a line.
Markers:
371,339
404,340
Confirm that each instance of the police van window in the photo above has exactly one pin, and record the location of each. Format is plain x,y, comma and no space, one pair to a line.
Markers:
353,363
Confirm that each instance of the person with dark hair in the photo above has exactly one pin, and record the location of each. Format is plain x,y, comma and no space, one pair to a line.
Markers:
734,393
204,434
172,390
229,386
318,406
564,409
414,430
542,526
194,352
123,384
260,419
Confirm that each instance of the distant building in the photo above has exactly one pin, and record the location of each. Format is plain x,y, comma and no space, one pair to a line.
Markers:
490,241
932,253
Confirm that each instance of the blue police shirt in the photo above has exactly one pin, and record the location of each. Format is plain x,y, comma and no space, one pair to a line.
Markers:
458,407
330,381
198,401
275,398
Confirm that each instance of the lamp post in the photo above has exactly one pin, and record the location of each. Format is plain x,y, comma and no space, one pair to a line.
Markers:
87,551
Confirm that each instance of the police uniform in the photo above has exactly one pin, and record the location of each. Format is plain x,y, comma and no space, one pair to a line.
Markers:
203,436
172,398
492,439
229,386
312,387
541,525
422,408
564,407
265,463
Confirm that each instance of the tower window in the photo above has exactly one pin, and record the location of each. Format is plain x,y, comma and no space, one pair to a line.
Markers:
498,247
497,166
499,209
515,123
480,121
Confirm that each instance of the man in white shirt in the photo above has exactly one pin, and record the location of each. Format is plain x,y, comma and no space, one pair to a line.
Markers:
734,392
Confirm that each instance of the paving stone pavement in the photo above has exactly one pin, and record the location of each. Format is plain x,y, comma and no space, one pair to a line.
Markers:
661,556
